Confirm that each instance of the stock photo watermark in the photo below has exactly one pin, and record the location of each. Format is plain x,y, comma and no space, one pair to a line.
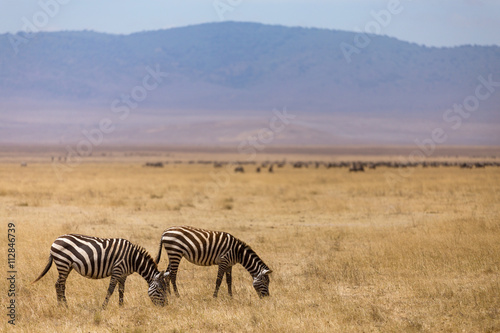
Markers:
11,273
222,7
122,106
48,9
266,135
380,20
453,117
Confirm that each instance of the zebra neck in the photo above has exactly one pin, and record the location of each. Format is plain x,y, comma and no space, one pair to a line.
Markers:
251,261
144,265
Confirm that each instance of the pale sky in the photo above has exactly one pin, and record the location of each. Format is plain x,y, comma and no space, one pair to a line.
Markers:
428,22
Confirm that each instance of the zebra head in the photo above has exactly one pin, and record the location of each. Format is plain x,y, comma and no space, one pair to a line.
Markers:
158,289
261,282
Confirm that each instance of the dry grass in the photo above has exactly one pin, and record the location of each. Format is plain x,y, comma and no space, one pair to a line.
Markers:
350,252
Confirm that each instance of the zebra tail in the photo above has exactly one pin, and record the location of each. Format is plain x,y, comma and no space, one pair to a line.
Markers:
49,264
157,260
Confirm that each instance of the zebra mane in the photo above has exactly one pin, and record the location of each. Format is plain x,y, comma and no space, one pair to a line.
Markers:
144,252
245,246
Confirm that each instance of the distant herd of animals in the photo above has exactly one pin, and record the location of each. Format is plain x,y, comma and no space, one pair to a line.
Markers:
98,258
352,166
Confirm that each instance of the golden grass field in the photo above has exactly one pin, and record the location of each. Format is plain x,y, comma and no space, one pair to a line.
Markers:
350,252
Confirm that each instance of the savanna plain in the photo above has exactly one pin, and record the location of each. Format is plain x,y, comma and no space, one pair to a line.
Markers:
383,250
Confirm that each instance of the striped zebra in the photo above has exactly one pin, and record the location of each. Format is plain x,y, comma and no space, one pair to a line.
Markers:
206,248
97,258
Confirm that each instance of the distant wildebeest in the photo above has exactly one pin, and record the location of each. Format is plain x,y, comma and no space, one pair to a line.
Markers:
355,167
154,164
239,169
257,170
24,164
271,169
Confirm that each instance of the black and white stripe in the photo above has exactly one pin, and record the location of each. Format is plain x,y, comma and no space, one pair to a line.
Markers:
97,258
206,248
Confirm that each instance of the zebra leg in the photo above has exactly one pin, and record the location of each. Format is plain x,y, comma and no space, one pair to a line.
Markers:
121,290
61,290
173,277
61,284
111,289
173,265
220,275
167,279
229,280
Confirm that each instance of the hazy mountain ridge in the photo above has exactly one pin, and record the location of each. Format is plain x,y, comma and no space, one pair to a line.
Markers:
239,68
292,66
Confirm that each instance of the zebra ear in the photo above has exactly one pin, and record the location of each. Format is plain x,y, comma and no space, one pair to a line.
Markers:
165,274
266,272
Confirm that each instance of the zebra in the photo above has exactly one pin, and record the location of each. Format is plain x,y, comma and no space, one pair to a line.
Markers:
97,258
206,248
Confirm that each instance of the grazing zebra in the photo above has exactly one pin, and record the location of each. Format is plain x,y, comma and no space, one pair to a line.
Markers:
97,258
206,248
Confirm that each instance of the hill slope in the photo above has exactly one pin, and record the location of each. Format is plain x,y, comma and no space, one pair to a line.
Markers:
239,69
